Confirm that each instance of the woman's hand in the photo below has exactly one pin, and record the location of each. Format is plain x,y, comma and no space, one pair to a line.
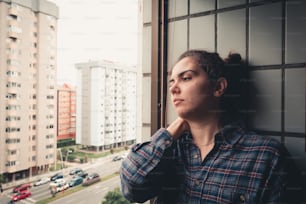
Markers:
177,127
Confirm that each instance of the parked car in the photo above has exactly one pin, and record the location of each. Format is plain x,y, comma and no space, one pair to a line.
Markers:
82,174
92,178
41,181
75,181
58,182
56,176
62,187
59,185
75,171
117,158
21,187
21,195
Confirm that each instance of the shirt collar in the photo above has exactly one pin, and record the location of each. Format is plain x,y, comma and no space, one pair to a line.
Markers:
229,134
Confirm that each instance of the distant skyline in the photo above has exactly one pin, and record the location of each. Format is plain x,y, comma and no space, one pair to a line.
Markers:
95,30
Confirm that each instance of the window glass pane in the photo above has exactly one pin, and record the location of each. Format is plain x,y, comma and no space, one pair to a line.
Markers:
228,3
177,40
146,100
266,100
296,32
231,33
147,11
296,147
265,34
146,49
197,6
295,100
202,33
177,8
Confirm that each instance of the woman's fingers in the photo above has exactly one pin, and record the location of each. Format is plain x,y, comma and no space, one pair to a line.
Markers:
177,127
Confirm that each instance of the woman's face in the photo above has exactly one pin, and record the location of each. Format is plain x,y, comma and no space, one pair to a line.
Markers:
192,93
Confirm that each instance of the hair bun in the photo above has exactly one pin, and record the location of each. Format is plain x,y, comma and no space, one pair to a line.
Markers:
233,58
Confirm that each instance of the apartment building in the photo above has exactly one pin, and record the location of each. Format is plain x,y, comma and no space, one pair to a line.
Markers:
66,112
106,104
27,87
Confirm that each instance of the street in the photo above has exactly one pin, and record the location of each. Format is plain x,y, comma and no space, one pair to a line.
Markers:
103,166
91,195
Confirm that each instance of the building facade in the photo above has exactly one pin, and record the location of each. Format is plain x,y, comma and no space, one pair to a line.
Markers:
106,105
66,112
27,87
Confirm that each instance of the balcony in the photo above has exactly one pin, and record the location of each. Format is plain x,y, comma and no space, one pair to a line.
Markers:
13,12
13,35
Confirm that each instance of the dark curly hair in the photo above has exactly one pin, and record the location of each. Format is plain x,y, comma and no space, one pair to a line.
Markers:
234,102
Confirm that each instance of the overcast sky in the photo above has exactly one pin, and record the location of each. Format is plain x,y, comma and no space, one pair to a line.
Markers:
95,30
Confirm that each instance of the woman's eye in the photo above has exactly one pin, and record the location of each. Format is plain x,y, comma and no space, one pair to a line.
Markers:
186,78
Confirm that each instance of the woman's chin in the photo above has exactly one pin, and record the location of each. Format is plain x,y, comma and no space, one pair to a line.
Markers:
184,114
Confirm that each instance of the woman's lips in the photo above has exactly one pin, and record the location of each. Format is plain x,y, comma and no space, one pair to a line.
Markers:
177,101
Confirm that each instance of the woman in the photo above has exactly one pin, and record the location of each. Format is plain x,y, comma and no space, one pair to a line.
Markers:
205,155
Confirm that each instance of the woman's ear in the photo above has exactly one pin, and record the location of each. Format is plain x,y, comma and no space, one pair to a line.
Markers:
220,87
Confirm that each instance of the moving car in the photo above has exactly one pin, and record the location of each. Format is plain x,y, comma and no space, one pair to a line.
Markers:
41,181
92,178
21,187
21,195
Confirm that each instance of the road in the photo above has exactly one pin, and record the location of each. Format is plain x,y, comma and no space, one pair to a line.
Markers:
91,195
103,166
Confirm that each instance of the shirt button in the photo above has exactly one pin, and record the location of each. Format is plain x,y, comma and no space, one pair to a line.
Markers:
196,182
167,142
242,198
195,156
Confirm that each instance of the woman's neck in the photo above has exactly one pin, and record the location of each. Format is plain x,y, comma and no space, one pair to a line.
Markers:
203,132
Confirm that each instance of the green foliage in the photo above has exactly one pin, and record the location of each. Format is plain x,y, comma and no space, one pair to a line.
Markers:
115,197
2,179
71,158
112,151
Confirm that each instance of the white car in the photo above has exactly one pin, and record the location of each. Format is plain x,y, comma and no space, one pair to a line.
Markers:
62,187
58,182
41,181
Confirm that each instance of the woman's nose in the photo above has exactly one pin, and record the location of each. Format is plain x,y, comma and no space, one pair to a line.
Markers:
174,88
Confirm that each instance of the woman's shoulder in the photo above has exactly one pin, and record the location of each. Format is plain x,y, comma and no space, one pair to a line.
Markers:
256,142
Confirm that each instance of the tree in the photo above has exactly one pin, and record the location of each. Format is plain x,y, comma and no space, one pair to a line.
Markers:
115,197
64,153
71,158
2,179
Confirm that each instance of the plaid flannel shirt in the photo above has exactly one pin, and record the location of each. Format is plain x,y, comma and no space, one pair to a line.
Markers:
241,168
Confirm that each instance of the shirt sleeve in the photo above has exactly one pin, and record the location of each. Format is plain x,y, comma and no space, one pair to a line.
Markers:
284,181
140,173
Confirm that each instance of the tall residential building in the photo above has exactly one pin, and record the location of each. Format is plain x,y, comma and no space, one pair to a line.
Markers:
66,112
27,87
106,104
